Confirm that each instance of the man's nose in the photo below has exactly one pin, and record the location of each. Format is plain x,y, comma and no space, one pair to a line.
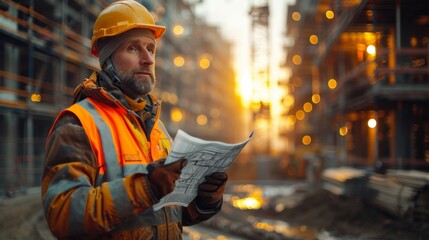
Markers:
147,58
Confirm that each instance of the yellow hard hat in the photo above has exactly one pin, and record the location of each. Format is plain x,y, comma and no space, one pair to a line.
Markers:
122,16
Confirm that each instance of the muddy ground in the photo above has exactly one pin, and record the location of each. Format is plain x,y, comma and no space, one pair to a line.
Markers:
22,217
349,219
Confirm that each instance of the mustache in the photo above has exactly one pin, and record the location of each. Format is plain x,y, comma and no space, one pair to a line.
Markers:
144,69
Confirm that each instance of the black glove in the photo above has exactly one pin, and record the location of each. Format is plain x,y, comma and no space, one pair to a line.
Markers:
210,192
162,177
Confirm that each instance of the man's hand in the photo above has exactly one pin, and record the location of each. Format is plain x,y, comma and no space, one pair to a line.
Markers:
162,177
210,192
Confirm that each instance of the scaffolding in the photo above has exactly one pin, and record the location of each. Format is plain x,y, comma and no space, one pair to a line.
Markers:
366,65
260,73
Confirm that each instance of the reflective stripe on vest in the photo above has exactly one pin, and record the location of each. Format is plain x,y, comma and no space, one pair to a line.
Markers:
114,160
113,170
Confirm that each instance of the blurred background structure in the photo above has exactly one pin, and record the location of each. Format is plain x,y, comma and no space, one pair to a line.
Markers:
360,82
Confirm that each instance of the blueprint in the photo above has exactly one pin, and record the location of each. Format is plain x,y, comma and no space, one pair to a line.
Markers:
204,158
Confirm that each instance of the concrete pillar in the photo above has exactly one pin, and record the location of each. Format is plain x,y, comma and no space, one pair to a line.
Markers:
403,133
9,123
8,150
29,142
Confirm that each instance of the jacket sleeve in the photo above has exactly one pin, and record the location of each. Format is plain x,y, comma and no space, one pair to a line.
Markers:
193,214
73,205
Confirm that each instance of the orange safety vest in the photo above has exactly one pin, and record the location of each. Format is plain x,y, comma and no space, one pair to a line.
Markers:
118,150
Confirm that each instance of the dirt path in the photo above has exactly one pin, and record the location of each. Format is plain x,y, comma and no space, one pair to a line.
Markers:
22,217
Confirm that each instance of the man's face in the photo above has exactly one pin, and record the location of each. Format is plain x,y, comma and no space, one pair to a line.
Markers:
134,61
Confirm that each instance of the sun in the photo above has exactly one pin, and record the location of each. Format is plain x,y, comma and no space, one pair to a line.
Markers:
244,87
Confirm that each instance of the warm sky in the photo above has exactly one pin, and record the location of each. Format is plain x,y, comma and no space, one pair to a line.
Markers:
233,19
235,24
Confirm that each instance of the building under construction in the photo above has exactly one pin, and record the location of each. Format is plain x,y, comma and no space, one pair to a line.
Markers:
45,54
360,82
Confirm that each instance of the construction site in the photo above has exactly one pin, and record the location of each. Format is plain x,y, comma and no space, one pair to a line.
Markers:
350,124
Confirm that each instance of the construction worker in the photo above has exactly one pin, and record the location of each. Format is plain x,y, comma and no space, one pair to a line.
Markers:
104,164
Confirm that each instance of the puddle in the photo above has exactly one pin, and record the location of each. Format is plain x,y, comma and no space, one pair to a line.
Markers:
301,232
281,227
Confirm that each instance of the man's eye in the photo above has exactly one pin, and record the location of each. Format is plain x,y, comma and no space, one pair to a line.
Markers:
132,49
151,50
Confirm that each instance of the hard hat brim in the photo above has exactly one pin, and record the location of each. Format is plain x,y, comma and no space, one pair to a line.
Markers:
158,32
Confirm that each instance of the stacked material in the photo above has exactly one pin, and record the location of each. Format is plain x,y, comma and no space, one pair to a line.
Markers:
344,181
401,193
413,178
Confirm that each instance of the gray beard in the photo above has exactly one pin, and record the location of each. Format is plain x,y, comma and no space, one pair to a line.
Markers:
135,89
